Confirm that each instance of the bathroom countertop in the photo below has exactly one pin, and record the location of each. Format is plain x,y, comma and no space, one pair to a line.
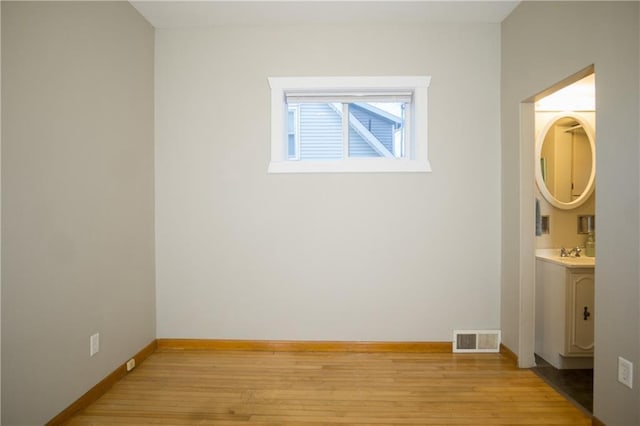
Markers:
553,256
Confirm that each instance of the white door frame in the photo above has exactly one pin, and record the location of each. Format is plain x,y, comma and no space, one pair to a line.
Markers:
527,266
527,295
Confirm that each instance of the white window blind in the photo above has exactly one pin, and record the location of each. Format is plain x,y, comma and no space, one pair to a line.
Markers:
342,97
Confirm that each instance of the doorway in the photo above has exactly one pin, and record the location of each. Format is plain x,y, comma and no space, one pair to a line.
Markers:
563,114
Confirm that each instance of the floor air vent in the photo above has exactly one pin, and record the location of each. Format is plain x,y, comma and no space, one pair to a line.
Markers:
476,341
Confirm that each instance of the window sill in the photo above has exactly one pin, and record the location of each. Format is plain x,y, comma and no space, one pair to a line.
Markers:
369,165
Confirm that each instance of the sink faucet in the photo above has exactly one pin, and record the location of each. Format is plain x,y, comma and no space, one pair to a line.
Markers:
567,252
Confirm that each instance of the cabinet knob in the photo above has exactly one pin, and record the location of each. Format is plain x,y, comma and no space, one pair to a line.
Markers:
586,313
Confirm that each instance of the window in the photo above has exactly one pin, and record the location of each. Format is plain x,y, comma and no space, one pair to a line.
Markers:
349,124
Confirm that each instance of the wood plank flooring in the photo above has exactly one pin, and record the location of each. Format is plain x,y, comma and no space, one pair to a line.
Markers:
313,388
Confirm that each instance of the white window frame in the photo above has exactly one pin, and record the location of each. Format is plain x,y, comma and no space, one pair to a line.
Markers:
416,133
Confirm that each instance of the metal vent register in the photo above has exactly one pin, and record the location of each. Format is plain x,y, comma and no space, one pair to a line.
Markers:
476,341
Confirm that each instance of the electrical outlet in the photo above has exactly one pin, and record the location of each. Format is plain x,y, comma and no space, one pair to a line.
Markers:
94,344
625,372
131,364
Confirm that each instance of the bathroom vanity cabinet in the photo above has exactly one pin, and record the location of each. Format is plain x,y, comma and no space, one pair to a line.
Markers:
565,311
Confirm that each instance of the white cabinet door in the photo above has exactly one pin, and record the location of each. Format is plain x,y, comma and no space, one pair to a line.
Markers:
581,312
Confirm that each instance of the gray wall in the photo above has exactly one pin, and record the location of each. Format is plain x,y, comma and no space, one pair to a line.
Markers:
542,43
77,199
0,217
370,256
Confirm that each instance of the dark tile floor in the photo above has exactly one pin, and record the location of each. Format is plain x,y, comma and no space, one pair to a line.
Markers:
576,385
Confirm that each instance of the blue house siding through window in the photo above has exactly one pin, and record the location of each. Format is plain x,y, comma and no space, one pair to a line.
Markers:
320,132
358,147
382,128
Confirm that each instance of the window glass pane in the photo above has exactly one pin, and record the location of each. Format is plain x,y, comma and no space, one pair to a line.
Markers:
376,129
358,146
320,131
292,128
291,120
291,147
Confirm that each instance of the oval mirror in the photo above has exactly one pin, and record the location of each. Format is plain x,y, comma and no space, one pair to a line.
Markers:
566,161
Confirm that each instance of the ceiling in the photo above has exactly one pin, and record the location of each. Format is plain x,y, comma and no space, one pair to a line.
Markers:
190,14
579,96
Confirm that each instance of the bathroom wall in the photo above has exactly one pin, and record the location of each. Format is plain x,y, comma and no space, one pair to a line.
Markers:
563,225
569,37
77,199
367,256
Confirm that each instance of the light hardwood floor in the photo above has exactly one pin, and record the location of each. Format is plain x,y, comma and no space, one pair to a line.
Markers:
306,388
